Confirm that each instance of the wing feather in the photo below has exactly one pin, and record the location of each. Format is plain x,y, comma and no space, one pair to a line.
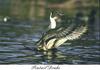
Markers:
68,33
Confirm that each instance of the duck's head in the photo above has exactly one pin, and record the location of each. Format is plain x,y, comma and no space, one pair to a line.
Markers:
55,19
57,16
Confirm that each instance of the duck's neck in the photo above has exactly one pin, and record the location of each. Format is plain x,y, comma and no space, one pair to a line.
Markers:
52,23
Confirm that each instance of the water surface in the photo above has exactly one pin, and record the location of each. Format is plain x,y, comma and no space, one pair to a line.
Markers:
17,36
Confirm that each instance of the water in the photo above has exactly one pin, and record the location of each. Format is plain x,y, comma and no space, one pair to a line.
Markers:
17,37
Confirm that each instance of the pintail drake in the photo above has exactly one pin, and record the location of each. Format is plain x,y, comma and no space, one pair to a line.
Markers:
61,29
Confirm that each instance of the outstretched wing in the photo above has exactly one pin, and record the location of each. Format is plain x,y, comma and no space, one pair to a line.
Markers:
56,33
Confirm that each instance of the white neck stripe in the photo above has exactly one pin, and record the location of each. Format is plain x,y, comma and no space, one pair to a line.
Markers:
53,22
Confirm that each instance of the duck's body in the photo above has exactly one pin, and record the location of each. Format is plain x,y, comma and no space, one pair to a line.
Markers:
56,36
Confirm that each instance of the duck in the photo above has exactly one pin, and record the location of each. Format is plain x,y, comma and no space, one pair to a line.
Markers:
61,30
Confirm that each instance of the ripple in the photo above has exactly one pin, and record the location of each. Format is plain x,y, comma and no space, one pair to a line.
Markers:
10,43
17,37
